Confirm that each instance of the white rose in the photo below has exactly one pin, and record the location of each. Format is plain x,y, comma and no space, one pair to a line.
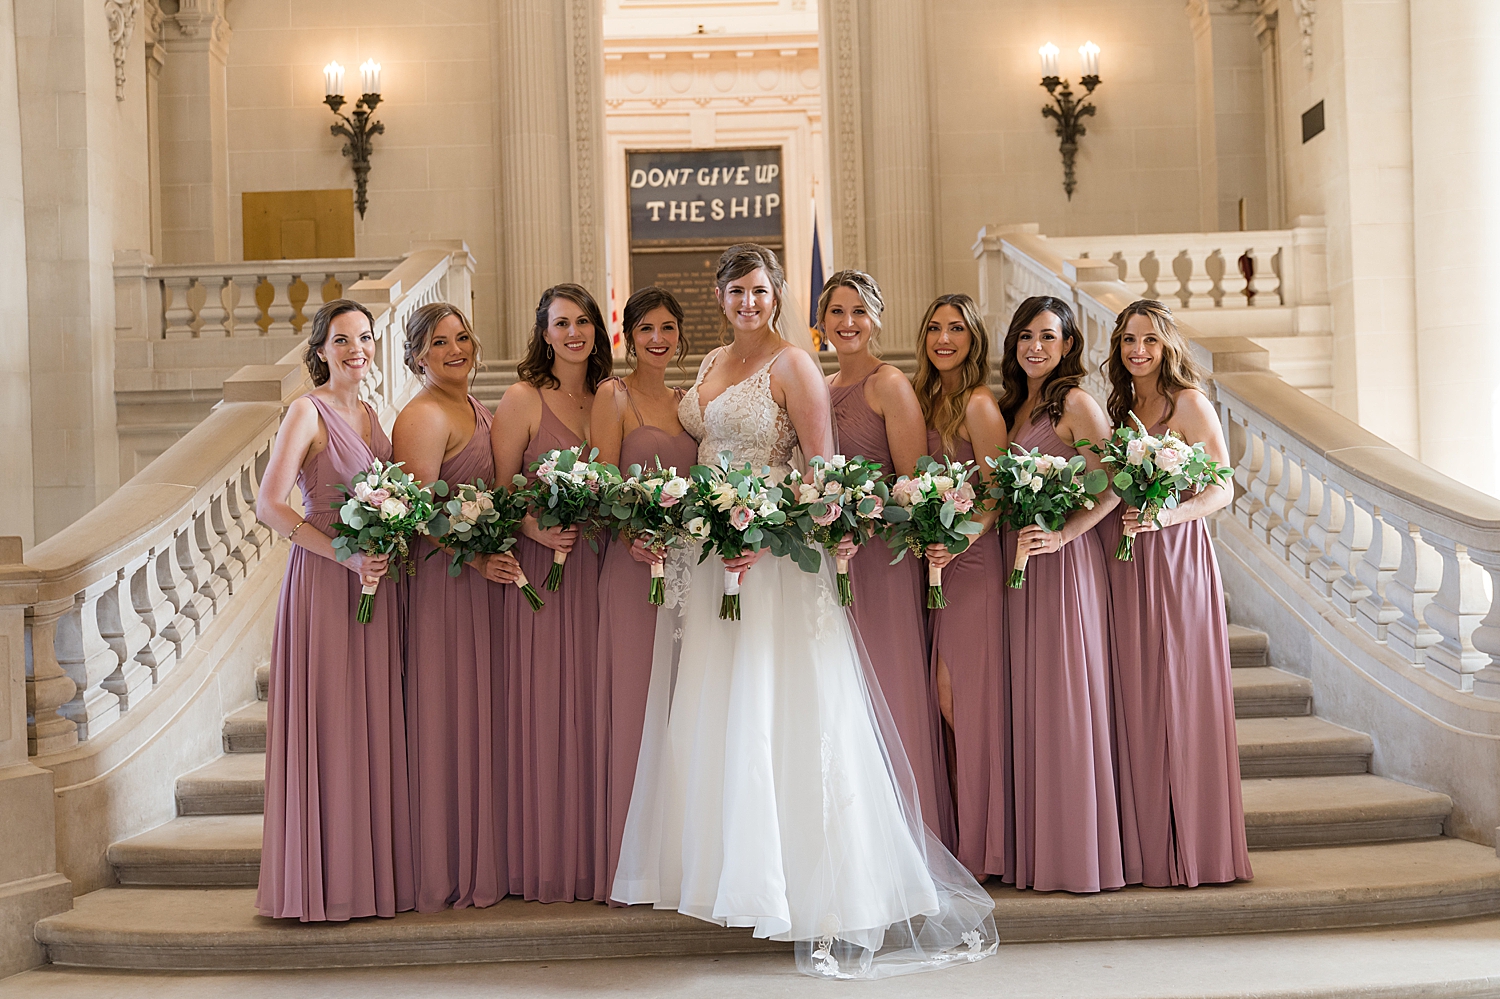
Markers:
393,509
808,493
486,502
1135,451
832,489
1024,476
1168,460
676,488
362,491
723,496
766,509
942,483
837,461
1036,485
470,510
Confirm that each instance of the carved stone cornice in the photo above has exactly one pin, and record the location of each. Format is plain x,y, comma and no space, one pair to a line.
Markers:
198,24
120,15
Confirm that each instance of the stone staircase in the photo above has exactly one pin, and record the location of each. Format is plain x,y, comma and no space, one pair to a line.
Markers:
1335,846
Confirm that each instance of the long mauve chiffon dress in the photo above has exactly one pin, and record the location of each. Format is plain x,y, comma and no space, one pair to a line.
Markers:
337,839
453,742
888,610
1182,819
627,633
969,635
1067,823
549,711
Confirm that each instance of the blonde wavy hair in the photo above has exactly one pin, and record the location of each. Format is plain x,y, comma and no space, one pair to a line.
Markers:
1177,371
869,294
944,412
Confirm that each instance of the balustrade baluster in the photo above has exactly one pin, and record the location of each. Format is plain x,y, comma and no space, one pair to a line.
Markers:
281,311
1150,270
1454,613
1213,267
127,635
1486,637
48,685
1247,504
1267,477
87,658
1303,550
1349,553
1323,568
155,608
1264,282
216,579
197,574
178,315
215,318
227,526
1379,565
242,498
1411,589
246,308
1289,491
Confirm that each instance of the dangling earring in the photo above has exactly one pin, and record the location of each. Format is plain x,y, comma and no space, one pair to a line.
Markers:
550,352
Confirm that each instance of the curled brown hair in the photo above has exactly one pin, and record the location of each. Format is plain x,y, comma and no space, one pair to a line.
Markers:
944,412
642,303
422,324
536,367
1176,372
739,260
317,368
1067,376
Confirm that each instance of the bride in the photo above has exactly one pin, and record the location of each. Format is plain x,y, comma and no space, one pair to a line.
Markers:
772,791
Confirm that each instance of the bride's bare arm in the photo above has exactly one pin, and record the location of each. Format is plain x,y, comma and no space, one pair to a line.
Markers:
797,386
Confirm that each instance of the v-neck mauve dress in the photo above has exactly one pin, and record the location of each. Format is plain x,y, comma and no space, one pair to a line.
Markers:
969,635
549,711
337,838
453,742
1067,822
888,608
627,633
1176,755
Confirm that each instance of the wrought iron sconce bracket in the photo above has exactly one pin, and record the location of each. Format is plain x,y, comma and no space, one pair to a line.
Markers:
1069,113
358,130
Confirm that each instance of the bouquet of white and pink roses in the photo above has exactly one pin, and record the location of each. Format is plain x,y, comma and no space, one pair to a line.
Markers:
1154,473
838,498
734,511
647,506
566,493
1031,487
934,507
385,509
478,521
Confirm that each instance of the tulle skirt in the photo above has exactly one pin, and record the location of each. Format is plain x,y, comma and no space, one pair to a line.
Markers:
773,793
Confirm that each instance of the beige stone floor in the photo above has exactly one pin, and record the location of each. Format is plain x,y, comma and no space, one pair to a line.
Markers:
1445,960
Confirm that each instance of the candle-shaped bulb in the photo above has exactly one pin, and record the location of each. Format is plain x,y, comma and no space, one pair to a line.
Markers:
1048,53
369,77
1089,53
333,79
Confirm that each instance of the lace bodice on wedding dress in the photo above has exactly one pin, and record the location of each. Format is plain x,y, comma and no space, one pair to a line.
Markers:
744,419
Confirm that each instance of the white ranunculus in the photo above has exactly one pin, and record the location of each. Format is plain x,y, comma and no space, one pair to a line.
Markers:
674,487
393,509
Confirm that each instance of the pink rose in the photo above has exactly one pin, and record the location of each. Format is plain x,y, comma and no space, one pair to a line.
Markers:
828,516
961,503
669,500
378,497
740,518
879,507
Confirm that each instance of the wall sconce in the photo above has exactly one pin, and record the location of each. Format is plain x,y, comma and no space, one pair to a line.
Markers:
359,129
1065,109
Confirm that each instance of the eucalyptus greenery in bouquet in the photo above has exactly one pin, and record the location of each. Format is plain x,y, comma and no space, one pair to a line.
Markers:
1031,487
647,506
479,521
838,498
937,506
385,508
566,493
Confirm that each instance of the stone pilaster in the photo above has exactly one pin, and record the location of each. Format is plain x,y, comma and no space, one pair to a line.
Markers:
192,133
17,516
1231,114
551,89
1456,219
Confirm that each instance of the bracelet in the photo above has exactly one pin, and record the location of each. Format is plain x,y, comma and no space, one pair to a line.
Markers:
293,531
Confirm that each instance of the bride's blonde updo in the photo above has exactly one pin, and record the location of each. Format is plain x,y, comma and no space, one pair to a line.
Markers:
736,262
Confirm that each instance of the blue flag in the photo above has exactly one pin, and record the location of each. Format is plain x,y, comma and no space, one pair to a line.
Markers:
816,283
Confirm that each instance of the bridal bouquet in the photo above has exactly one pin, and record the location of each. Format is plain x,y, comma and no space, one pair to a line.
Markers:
647,506
567,492
1042,489
477,521
385,508
734,511
840,497
934,507
1154,473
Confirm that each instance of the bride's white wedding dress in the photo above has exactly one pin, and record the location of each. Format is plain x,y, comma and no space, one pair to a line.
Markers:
772,791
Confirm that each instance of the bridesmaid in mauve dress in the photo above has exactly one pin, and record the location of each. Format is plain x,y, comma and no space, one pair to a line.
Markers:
876,416
634,422
453,741
337,839
549,654
1181,813
968,639
1067,822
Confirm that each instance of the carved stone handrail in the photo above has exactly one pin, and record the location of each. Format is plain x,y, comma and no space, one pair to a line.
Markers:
1391,544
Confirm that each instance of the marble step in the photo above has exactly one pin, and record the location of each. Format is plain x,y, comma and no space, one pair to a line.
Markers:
1247,647
1300,747
245,729
233,784
1279,812
192,850
1351,808
1301,888
1267,692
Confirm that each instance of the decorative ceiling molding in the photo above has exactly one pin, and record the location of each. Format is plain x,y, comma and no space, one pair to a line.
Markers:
1307,14
121,17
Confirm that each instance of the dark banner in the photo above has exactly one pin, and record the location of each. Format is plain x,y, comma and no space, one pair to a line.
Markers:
707,195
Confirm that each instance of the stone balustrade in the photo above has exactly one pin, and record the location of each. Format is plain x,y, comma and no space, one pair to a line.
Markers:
1409,555
1215,270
